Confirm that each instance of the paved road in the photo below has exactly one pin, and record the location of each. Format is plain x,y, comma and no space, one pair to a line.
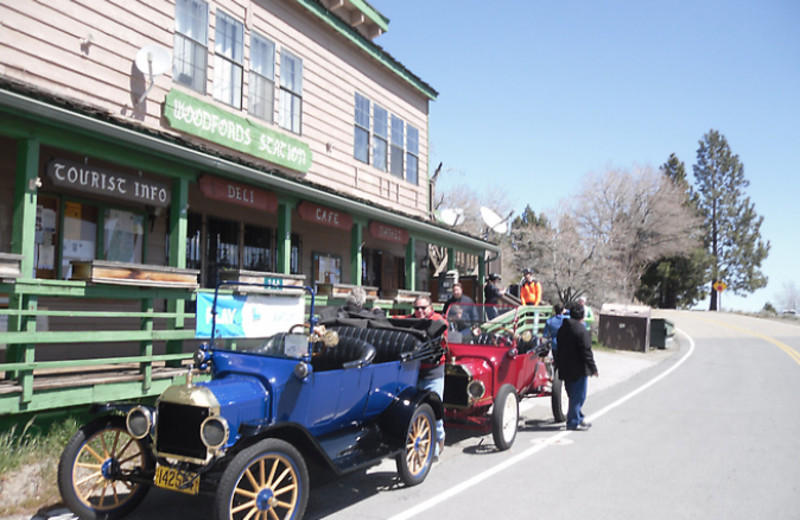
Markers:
705,429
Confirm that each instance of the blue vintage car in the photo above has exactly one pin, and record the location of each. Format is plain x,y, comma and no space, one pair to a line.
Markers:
342,397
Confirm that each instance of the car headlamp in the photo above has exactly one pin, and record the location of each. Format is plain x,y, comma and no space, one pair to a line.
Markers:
476,389
214,432
139,422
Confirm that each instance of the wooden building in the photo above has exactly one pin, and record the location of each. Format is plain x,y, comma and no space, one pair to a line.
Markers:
151,148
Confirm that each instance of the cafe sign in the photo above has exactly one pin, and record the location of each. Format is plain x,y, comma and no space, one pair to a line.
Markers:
188,114
100,181
317,214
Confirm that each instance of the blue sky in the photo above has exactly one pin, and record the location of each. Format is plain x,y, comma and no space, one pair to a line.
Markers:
535,95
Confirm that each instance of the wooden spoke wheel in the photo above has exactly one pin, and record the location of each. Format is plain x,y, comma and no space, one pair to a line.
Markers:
91,466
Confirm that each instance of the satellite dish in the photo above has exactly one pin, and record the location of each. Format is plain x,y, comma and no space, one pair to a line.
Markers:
495,222
450,216
152,60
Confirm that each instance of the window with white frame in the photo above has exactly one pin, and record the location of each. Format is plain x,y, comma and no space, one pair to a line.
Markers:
361,131
262,78
228,60
380,134
396,156
290,101
412,154
191,44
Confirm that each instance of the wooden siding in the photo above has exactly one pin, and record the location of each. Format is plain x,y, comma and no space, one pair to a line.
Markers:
47,43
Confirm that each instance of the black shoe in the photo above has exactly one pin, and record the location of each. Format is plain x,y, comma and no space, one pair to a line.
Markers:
582,427
586,423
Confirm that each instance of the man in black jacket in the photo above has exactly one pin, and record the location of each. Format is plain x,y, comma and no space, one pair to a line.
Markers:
575,363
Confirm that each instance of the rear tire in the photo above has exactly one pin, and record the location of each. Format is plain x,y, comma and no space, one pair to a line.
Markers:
415,462
505,417
91,458
559,401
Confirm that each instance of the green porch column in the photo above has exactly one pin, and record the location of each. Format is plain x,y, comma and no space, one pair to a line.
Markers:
411,264
23,235
284,242
481,273
178,220
451,258
356,240
24,227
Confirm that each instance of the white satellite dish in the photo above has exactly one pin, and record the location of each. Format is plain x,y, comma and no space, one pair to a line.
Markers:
450,216
495,222
152,61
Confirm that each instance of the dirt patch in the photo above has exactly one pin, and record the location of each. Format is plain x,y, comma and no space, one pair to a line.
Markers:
29,489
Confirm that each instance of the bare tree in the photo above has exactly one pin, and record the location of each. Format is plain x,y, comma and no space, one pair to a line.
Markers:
631,218
789,298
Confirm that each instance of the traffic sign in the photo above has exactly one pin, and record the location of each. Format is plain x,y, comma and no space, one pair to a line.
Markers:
719,286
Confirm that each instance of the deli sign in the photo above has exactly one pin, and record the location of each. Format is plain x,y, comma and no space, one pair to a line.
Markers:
242,194
100,181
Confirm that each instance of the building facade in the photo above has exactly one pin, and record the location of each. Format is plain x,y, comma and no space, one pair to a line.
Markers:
151,148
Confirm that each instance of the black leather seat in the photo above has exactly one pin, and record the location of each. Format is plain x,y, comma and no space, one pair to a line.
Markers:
389,344
349,353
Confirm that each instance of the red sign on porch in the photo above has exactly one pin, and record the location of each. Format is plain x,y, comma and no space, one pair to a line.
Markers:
228,191
326,216
387,232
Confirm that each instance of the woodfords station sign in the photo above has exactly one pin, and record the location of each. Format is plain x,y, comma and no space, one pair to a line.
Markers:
82,177
211,123
241,194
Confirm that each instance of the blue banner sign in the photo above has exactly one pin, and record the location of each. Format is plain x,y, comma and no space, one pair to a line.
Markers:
248,315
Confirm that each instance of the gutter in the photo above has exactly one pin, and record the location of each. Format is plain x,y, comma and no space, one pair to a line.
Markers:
108,131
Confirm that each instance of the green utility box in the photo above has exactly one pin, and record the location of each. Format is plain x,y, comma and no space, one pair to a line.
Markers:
661,331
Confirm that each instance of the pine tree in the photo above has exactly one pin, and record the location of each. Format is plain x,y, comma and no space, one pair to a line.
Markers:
732,226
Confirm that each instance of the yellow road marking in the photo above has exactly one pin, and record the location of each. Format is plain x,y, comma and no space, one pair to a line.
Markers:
783,346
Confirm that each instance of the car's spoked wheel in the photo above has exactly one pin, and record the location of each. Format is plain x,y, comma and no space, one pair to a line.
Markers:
90,464
505,417
414,463
266,481
559,400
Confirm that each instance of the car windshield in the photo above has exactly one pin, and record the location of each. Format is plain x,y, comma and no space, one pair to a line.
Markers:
479,324
272,322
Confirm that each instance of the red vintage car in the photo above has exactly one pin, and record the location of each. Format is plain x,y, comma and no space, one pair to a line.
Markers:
497,357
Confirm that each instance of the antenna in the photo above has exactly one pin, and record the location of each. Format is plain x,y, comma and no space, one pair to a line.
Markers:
450,216
495,222
152,60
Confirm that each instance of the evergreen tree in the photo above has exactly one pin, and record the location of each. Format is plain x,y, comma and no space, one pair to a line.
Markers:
732,227
676,281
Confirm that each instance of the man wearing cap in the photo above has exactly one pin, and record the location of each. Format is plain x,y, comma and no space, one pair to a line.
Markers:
491,294
531,290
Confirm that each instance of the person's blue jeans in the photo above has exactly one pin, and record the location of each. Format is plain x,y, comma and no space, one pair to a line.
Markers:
433,380
576,390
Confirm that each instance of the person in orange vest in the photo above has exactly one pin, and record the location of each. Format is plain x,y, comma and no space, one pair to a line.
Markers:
530,292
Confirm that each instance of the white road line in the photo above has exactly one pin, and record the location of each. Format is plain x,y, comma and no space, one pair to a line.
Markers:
415,511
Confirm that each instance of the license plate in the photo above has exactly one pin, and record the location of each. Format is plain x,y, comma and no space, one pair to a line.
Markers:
176,479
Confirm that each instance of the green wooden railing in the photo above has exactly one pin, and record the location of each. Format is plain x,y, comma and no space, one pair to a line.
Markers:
74,311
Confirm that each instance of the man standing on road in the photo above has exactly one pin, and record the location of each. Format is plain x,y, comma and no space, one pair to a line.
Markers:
575,362
431,372
552,326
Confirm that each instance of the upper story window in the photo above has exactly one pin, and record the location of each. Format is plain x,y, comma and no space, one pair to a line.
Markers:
361,141
262,78
398,140
228,60
191,44
380,132
291,94
412,154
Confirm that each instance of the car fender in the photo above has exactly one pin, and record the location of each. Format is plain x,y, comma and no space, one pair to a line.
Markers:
394,420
